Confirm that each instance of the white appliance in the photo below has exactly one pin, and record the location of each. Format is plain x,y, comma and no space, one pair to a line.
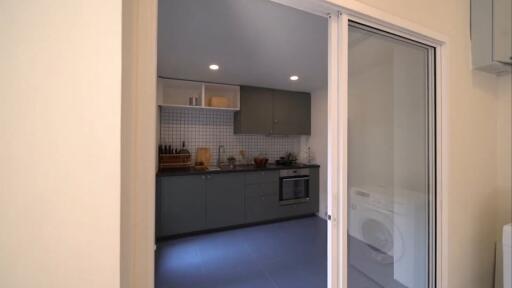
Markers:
507,256
371,221
392,224
375,245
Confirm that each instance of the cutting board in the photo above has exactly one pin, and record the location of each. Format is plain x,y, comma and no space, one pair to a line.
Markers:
203,155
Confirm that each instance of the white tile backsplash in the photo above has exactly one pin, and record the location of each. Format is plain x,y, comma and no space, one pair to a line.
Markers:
211,128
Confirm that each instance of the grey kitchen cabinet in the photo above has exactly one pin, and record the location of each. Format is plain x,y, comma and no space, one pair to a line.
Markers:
291,113
255,114
196,203
491,35
181,205
271,111
261,196
224,199
261,202
262,177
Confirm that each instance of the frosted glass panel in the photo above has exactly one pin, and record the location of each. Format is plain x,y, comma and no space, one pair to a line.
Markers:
388,161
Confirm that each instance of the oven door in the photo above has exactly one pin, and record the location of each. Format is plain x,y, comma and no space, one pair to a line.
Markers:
293,190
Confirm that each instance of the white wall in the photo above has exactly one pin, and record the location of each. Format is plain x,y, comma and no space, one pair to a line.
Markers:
318,143
504,162
504,156
472,144
60,127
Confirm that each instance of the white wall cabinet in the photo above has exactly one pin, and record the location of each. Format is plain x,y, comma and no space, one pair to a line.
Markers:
184,93
491,35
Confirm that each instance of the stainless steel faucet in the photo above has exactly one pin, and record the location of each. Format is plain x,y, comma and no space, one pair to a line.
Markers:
220,151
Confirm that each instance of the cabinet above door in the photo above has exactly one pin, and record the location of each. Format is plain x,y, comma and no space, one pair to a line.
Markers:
273,112
491,35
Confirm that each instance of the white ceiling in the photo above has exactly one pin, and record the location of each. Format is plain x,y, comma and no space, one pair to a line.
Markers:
255,42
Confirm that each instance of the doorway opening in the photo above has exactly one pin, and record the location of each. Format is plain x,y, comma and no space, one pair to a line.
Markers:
369,236
241,196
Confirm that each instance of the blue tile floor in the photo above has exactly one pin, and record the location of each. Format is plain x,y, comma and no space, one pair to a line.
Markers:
289,254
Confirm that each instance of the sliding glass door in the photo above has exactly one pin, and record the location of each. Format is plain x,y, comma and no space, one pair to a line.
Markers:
390,161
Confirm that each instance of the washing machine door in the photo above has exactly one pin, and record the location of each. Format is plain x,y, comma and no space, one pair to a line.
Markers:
381,236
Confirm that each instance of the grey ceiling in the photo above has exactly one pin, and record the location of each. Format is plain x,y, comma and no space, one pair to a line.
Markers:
255,42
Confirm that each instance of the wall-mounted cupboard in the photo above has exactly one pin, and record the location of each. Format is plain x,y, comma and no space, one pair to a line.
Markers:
184,93
273,112
491,35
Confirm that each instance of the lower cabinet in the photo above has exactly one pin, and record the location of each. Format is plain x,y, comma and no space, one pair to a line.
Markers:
181,205
193,203
224,200
261,202
196,203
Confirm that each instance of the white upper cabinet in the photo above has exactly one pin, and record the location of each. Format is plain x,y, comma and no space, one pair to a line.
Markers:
491,35
193,94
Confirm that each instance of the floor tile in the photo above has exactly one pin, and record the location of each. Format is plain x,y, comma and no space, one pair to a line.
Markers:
288,254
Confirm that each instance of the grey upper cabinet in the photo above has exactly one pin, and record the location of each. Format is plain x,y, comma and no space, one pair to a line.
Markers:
491,35
180,205
224,199
270,111
291,113
255,115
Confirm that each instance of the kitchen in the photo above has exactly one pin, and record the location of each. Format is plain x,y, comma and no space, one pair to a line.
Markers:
242,138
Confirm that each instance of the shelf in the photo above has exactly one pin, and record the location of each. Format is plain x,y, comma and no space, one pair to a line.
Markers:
183,93
221,96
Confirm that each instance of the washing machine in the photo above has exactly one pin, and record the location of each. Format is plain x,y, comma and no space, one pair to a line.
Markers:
385,239
507,256
375,242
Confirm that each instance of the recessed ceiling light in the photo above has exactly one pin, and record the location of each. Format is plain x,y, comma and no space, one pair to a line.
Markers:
294,77
214,67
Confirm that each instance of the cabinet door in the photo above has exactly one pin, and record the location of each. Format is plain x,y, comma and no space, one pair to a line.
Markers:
224,200
255,115
261,202
291,113
502,29
180,205
261,177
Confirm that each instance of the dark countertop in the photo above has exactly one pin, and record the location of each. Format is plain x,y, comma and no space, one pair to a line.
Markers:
238,168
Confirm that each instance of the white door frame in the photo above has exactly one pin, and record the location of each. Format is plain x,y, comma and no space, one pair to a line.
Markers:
348,9
339,13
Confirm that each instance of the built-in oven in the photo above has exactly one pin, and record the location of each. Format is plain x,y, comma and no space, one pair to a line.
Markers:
293,186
